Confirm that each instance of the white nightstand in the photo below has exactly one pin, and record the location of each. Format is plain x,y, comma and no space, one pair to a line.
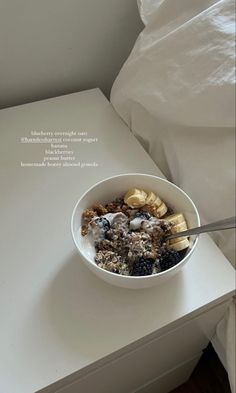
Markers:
62,329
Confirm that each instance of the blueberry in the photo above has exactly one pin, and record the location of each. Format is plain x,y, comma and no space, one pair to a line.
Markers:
102,223
143,214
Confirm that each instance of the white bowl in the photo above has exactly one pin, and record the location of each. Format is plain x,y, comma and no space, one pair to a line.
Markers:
116,186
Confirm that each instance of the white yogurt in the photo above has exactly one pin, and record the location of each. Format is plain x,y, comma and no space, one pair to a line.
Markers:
136,223
116,218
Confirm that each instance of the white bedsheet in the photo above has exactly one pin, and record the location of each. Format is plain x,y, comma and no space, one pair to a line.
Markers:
176,92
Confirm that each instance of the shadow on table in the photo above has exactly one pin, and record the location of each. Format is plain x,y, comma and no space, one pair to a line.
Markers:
93,317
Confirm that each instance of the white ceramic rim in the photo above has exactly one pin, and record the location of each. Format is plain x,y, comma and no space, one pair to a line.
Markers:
151,276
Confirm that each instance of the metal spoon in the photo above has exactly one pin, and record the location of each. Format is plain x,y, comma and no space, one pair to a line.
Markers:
221,225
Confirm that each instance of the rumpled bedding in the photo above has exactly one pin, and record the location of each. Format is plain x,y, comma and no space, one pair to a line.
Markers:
176,92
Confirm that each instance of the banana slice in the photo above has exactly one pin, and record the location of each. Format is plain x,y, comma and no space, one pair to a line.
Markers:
179,227
161,210
135,198
151,198
157,202
132,191
175,219
135,201
180,245
177,239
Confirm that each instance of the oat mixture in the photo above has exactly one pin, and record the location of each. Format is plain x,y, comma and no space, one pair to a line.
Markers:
129,234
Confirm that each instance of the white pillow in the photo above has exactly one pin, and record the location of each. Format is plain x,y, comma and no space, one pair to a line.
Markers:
176,92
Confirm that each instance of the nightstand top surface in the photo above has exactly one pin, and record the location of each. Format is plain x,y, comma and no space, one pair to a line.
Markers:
56,316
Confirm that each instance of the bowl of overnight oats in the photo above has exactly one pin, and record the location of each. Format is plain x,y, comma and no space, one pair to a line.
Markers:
120,228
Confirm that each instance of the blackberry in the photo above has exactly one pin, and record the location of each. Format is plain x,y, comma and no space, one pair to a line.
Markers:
182,253
142,267
143,214
169,258
102,223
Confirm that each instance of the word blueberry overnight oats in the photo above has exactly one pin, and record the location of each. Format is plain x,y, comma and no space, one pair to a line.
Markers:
129,234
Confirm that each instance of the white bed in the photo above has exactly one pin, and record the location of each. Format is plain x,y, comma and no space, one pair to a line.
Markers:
176,92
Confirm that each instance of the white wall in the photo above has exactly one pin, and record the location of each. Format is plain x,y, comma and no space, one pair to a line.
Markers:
54,47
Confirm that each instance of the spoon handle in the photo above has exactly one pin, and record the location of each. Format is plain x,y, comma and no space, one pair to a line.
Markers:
227,223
